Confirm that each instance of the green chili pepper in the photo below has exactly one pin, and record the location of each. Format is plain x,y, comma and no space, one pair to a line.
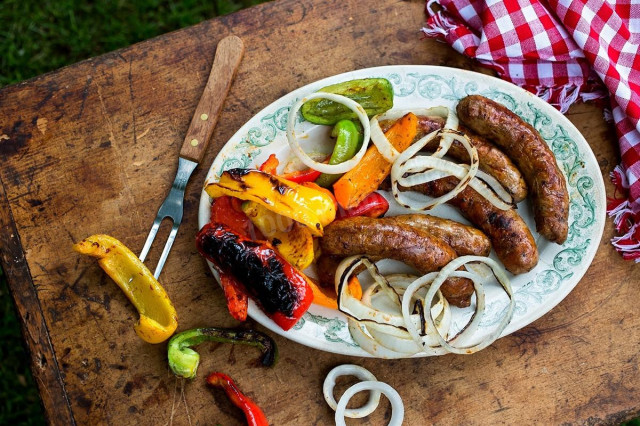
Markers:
375,95
184,361
349,140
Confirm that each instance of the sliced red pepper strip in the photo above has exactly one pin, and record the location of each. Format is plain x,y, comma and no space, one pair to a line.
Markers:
302,176
280,289
228,211
374,205
270,165
236,295
253,413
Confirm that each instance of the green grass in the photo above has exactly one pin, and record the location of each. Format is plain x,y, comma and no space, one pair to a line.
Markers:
19,399
40,36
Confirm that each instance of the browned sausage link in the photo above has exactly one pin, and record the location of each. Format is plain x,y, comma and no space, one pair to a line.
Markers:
509,235
465,240
326,267
491,160
386,239
524,145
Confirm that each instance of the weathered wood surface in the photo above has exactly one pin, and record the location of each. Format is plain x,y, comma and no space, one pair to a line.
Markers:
93,148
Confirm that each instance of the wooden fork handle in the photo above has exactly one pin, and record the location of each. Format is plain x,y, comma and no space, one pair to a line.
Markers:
225,65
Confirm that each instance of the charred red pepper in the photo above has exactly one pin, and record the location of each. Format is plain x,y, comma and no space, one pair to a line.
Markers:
236,295
374,205
270,165
253,413
227,210
281,290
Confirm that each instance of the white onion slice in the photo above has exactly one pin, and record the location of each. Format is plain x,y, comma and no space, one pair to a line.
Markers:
306,159
424,164
500,275
411,170
353,307
397,407
376,321
369,345
385,148
362,374
484,181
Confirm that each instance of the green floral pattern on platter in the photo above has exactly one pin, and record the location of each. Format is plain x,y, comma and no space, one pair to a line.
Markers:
441,86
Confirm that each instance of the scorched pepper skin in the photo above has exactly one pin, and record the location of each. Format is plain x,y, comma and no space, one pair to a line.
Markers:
280,289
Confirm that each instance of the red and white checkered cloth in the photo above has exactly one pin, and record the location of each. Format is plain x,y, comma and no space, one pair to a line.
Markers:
563,51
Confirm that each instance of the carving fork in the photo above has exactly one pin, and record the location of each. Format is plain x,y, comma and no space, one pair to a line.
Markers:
225,65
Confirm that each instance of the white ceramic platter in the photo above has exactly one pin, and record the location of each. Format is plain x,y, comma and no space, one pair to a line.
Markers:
418,86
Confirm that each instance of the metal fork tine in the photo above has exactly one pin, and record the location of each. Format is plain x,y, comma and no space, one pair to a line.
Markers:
225,64
150,238
167,248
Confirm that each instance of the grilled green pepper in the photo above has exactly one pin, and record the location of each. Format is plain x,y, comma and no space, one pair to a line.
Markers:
375,95
348,142
184,361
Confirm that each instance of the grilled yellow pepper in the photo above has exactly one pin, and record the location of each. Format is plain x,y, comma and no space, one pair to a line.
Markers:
158,317
292,240
311,207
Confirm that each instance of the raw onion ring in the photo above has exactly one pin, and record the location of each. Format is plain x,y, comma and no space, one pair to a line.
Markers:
397,407
304,157
362,374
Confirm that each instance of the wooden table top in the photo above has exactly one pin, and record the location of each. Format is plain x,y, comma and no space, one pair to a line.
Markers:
92,148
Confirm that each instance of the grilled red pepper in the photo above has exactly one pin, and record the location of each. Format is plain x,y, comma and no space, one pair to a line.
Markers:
374,205
270,165
253,413
228,211
302,176
281,290
236,295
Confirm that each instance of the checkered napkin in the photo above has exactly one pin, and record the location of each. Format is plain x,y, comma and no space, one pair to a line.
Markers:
563,51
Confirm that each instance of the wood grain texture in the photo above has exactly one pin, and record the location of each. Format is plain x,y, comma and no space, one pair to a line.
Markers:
92,148
225,65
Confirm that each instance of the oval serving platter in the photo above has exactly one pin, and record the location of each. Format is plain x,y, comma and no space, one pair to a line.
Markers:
418,86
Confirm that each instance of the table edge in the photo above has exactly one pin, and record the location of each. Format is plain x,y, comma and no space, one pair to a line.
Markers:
44,363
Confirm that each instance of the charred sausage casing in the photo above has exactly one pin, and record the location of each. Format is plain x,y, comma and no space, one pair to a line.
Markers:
463,239
510,236
386,239
524,145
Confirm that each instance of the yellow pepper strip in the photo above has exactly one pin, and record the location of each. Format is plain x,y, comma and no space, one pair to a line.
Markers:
309,206
292,240
158,317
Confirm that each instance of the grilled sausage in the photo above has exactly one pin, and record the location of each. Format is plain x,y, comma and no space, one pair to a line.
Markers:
524,145
386,239
465,240
491,160
509,235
